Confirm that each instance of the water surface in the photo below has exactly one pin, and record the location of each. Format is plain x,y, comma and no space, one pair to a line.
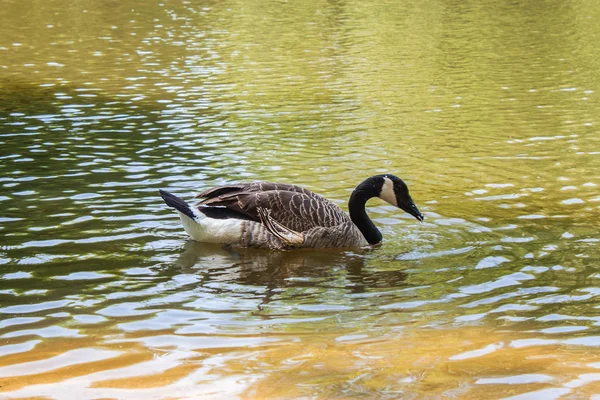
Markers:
488,111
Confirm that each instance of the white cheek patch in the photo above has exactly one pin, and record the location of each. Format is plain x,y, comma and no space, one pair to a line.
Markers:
387,192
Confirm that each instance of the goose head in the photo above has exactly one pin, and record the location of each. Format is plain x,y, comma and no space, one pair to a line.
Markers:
393,190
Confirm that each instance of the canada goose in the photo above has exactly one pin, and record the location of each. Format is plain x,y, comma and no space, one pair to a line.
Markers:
279,216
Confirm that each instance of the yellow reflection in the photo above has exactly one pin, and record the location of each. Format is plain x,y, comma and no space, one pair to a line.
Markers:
466,363
469,363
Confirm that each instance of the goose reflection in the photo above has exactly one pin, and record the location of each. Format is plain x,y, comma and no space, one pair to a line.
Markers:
325,268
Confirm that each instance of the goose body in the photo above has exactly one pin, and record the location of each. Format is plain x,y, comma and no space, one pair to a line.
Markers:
278,216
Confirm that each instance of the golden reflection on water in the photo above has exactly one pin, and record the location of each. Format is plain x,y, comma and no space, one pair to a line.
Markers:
463,363
467,362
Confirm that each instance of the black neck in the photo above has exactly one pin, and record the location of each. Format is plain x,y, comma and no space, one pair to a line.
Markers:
358,214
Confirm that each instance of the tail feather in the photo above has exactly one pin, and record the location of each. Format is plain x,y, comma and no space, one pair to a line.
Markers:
177,203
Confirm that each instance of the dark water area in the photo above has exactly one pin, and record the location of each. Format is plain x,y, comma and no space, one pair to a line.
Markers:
488,111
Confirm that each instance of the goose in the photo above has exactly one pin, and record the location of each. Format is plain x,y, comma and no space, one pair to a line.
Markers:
283,216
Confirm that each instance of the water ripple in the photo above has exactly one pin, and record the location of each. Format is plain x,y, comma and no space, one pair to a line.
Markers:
102,294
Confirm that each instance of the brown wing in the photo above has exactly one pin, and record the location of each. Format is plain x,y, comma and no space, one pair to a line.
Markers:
298,209
255,187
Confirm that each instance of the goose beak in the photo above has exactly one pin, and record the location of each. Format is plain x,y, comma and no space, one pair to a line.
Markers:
419,216
414,211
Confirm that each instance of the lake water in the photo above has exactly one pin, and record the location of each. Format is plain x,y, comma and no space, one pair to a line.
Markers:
488,110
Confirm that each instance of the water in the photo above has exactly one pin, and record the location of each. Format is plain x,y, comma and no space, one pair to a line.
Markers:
488,111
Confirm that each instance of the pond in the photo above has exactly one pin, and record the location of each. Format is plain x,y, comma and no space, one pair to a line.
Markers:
488,110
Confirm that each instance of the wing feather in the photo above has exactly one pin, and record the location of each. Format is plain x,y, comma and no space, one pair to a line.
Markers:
256,187
296,208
